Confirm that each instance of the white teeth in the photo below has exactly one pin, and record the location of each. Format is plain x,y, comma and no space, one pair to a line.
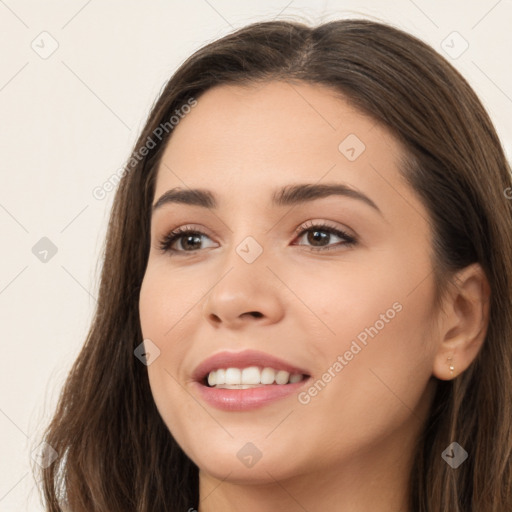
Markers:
296,377
237,386
268,375
249,377
233,376
282,377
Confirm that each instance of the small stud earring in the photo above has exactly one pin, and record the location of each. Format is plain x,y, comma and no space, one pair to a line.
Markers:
452,368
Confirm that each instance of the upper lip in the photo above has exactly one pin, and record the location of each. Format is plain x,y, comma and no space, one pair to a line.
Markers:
242,359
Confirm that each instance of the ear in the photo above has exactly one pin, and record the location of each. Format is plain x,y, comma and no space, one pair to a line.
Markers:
462,323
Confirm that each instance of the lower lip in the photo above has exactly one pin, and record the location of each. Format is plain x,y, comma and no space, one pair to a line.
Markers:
247,399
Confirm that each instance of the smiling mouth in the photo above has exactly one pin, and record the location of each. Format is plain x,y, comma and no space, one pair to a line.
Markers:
250,377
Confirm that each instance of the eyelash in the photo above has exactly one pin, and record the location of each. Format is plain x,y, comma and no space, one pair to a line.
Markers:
166,241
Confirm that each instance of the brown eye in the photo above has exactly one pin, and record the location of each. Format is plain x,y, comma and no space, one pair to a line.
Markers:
189,240
319,236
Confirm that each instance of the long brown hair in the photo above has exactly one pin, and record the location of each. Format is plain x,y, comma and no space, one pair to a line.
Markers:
115,452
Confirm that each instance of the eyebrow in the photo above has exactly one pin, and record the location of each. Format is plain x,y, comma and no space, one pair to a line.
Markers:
286,196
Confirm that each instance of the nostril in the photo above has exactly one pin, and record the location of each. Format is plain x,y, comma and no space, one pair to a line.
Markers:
256,314
215,318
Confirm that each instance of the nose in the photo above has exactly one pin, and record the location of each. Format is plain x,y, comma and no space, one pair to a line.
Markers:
246,293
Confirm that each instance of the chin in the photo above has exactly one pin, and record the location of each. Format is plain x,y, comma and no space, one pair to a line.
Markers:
242,463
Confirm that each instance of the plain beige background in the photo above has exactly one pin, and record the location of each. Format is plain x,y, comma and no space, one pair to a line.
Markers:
77,79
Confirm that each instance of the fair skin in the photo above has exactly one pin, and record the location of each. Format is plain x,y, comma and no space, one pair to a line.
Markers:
351,447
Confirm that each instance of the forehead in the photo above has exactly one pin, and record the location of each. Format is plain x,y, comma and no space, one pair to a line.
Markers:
254,139
275,120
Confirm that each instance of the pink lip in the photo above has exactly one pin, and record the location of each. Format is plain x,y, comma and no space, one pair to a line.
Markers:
242,360
245,399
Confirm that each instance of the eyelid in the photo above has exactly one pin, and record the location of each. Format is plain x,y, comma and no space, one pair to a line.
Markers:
324,223
190,227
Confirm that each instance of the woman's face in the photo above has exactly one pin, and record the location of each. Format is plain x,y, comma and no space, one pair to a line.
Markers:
352,312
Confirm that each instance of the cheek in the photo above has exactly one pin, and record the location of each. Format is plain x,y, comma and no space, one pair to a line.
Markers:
163,320
345,300
157,319
167,317
366,291
166,299
152,298
372,343
374,389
